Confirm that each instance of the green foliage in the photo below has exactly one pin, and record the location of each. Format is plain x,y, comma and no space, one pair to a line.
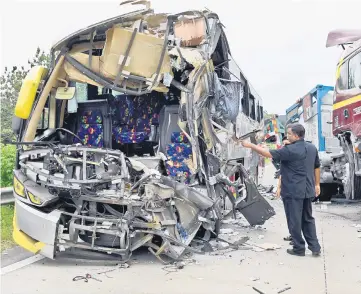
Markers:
10,85
7,213
8,154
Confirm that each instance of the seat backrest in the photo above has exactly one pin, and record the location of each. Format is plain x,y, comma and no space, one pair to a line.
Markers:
94,123
168,124
133,117
90,129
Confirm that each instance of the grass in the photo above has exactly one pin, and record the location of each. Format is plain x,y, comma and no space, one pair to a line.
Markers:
7,212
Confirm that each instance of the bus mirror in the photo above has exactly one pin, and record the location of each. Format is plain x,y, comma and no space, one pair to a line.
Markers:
16,124
28,90
65,93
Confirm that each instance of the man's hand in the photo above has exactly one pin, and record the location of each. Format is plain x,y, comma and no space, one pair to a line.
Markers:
318,190
246,144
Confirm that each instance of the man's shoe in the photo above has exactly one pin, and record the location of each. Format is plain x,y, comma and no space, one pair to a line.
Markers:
292,252
292,243
288,238
316,253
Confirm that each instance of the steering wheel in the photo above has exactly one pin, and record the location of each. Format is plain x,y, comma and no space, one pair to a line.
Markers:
71,133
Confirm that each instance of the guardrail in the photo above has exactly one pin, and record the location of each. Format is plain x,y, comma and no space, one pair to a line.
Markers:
7,196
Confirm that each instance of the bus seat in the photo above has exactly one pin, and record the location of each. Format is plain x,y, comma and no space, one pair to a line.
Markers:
179,154
91,128
133,118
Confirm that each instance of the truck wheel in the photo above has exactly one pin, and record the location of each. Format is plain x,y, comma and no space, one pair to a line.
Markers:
357,185
352,188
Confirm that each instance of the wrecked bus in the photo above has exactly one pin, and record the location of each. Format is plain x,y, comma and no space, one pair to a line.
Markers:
127,141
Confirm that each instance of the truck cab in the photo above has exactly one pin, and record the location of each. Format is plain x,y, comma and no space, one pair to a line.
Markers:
347,110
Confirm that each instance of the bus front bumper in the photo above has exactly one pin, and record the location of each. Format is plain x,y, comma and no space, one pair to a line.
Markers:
34,230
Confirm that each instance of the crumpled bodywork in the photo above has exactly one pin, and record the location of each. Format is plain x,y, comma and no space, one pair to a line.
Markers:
114,201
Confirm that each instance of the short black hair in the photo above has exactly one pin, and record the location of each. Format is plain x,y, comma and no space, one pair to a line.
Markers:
297,129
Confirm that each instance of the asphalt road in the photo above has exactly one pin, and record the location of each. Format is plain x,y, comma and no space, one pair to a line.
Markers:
337,271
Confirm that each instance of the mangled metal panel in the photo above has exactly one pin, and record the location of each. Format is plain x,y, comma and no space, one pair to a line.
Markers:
227,99
143,58
192,31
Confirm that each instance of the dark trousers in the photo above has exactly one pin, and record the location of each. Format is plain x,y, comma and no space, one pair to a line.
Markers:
287,216
300,220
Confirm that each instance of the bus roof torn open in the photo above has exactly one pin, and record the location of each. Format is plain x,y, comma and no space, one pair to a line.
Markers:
136,146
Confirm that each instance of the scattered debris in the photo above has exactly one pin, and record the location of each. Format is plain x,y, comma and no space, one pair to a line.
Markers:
222,245
226,231
86,278
270,189
119,266
263,247
269,246
178,265
267,191
258,291
222,252
257,227
253,279
242,259
284,290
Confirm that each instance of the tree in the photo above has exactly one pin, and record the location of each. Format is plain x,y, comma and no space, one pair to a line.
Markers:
10,85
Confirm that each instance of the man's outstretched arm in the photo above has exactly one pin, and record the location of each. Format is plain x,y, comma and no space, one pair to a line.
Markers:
278,155
260,150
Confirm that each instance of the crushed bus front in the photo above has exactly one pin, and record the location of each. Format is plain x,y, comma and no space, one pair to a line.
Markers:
130,139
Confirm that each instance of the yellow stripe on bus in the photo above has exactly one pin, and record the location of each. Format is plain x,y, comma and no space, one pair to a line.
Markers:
347,102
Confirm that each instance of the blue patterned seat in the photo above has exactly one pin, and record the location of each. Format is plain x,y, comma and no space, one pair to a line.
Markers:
178,152
91,128
133,117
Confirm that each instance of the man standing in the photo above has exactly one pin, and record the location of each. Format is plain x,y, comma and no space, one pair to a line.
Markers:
300,183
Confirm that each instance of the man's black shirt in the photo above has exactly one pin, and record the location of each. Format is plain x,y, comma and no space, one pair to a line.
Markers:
298,163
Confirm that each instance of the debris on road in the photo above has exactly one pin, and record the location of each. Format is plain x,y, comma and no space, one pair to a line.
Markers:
179,265
258,291
269,246
284,289
243,258
358,227
267,191
263,247
119,266
253,279
86,278
226,231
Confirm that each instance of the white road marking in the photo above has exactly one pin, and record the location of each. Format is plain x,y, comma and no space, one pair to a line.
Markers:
20,264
